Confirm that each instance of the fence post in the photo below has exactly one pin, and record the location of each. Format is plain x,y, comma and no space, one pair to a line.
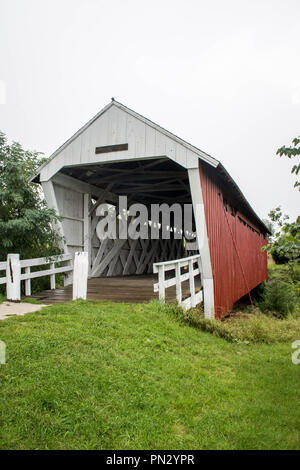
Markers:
80,275
52,277
13,281
27,282
178,283
192,283
161,282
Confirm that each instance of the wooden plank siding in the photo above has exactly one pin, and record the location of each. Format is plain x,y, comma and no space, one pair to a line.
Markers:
235,249
116,126
71,208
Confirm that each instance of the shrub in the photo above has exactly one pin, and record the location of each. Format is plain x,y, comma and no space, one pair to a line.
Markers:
279,297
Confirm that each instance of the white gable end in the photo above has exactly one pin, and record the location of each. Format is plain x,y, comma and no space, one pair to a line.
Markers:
116,124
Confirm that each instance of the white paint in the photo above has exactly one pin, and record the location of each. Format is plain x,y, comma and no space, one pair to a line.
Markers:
52,277
117,124
192,283
87,240
202,239
50,196
46,272
13,273
28,275
208,291
40,261
80,275
81,187
14,276
27,282
67,228
178,284
162,284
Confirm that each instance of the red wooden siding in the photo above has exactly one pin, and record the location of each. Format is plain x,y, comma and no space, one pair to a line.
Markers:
234,247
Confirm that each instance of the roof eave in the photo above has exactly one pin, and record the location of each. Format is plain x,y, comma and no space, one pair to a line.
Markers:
225,173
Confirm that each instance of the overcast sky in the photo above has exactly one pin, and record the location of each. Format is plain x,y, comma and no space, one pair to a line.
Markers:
225,76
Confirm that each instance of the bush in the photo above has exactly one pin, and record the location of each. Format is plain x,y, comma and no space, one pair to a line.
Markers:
279,297
277,255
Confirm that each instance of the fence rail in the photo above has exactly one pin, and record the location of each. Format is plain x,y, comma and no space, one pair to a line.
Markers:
13,267
3,265
175,265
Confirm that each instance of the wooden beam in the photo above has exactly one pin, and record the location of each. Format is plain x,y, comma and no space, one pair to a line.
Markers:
77,185
153,189
132,179
128,171
87,239
101,198
139,183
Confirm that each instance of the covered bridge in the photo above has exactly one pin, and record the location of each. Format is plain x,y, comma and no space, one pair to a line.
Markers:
121,153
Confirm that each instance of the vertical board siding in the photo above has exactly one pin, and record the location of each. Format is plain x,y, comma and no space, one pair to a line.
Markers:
232,245
117,126
70,208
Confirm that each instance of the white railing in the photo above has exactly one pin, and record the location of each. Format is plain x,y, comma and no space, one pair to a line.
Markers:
13,267
187,263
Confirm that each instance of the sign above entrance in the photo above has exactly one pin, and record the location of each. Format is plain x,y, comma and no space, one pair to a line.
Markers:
111,148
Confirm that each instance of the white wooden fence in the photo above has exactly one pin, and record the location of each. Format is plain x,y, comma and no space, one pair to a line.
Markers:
13,267
188,264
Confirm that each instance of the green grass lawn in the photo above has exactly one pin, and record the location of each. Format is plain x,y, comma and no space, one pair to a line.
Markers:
87,375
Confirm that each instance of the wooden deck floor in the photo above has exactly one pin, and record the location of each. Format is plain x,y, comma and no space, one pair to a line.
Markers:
115,289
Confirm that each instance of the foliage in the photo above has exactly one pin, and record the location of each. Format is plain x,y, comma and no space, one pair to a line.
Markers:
26,224
286,244
247,327
293,151
282,272
269,224
279,297
101,375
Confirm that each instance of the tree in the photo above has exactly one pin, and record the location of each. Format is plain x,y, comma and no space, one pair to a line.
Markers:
26,223
269,224
286,245
293,151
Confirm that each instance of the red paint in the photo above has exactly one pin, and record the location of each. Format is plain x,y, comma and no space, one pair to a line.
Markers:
235,249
